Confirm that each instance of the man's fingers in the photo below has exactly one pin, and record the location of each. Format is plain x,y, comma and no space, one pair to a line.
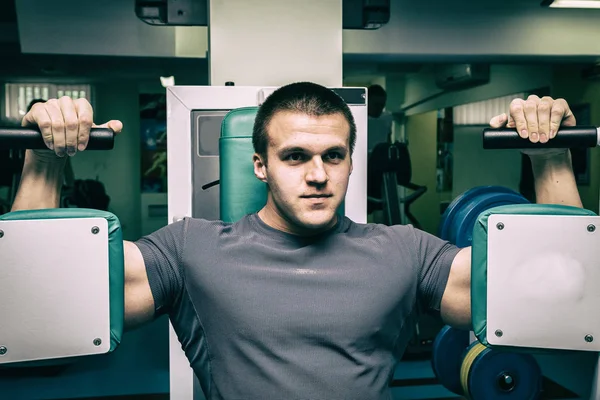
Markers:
543,115
561,114
65,124
58,127
38,116
116,126
86,118
556,117
511,122
531,117
498,121
113,124
71,121
517,115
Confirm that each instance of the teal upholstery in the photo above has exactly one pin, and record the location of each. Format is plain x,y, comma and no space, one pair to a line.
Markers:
479,256
116,261
240,191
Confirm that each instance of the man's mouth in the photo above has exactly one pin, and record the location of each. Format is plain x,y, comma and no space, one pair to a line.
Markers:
316,196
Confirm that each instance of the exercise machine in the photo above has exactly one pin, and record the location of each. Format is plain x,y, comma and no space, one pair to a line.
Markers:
534,290
389,168
514,335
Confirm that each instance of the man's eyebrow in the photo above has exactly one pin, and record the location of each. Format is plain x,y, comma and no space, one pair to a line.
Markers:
341,149
291,149
297,149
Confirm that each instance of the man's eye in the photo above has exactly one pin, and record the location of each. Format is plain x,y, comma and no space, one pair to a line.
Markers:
295,157
334,156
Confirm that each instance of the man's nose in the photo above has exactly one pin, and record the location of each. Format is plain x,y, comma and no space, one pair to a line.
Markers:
316,173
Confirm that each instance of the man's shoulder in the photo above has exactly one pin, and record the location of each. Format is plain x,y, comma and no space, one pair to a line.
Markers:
370,229
199,222
244,225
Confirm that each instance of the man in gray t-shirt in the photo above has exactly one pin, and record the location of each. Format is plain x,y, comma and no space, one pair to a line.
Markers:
266,314
295,301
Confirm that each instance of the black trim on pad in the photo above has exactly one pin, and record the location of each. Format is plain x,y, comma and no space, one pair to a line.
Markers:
352,96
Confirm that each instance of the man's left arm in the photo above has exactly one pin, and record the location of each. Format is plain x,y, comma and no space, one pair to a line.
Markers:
536,120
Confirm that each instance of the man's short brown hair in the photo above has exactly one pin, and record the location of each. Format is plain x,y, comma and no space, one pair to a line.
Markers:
304,98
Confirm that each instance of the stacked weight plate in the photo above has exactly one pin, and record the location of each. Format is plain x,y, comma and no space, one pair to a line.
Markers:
460,216
472,369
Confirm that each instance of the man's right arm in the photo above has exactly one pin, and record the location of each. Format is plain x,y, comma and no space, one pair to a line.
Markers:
139,303
66,123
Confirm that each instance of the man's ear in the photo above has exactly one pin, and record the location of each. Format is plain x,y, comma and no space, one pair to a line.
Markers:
351,166
260,167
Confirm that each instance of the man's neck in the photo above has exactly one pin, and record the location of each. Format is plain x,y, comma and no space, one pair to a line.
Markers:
271,217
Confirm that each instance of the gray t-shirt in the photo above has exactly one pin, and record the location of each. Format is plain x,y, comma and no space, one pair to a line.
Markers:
262,314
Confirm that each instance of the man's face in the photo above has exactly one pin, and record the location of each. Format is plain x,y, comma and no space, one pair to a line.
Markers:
307,169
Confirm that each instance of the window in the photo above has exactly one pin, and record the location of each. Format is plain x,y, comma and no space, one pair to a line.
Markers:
481,112
19,95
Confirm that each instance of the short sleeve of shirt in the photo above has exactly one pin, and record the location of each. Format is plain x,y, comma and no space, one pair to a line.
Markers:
162,254
435,257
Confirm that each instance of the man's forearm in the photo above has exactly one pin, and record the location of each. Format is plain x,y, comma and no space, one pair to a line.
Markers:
554,180
41,182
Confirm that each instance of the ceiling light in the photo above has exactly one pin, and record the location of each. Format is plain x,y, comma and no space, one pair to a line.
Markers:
571,3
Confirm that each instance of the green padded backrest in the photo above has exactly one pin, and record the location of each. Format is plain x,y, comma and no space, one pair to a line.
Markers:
241,192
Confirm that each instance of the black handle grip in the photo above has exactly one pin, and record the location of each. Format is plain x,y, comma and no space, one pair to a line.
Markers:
26,138
567,137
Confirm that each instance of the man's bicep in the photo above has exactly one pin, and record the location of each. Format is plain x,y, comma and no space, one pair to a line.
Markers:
456,301
153,276
139,302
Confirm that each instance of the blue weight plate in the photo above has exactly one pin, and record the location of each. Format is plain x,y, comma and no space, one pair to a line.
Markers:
465,218
455,205
447,222
503,375
448,348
